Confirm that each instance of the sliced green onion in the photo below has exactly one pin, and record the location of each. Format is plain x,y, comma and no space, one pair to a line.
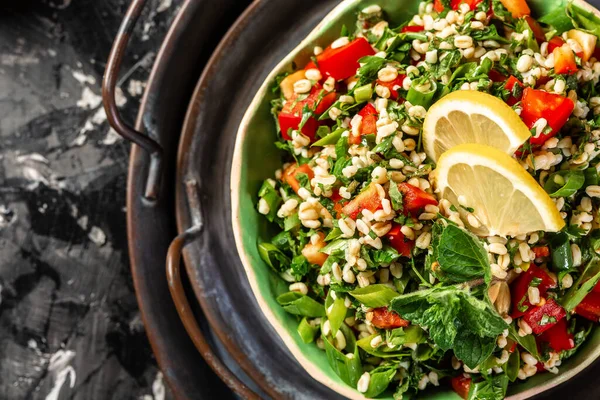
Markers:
564,183
306,331
336,314
586,282
363,93
422,92
558,19
332,138
591,176
560,249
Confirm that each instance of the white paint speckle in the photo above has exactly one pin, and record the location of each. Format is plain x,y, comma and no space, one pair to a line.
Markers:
32,344
89,99
158,387
52,52
164,5
97,236
83,222
136,88
33,175
12,60
61,370
120,98
111,137
36,157
83,78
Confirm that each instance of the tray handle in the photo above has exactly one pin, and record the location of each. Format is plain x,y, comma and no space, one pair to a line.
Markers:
189,320
109,84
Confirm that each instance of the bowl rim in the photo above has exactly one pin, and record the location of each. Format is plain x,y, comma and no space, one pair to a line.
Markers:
235,182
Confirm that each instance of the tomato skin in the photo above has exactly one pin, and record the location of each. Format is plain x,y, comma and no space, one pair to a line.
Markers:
518,8
368,124
386,319
368,199
564,60
510,84
393,86
534,316
496,76
558,337
536,28
342,62
337,202
455,4
414,199
520,286
554,43
438,6
290,116
399,242
541,251
589,308
412,28
555,108
461,385
289,175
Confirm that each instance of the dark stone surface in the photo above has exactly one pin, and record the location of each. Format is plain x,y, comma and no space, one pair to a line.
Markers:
69,324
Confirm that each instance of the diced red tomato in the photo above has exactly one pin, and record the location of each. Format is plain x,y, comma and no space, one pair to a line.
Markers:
342,62
438,6
520,286
393,86
540,367
368,124
518,8
455,4
555,108
414,199
542,318
337,202
536,28
386,319
596,53
510,85
590,307
289,175
541,251
291,114
558,337
496,76
368,199
564,60
554,43
412,28
399,242
511,345
310,65
312,251
461,385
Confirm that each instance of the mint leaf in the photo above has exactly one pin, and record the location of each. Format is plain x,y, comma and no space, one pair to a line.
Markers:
491,388
460,254
455,319
472,349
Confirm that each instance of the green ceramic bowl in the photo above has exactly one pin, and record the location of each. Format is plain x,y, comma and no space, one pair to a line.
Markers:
256,158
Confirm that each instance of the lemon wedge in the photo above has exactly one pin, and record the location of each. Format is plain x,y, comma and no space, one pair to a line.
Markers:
504,198
468,116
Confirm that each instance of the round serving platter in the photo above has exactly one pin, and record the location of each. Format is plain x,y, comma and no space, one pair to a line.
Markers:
262,37
199,25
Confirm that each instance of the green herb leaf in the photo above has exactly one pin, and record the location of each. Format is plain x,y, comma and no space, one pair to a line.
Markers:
557,19
461,254
511,367
491,388
448,310
584,284
560,249
527,342
375,296
300,266
410,334
274,257
564,183
299,304
583,19
380,380
472,349
396,197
